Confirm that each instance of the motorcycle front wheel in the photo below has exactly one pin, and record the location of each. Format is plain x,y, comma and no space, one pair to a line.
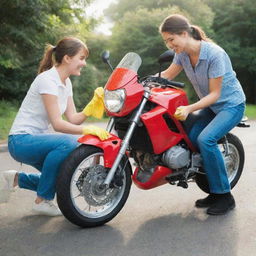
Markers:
81,195
234,162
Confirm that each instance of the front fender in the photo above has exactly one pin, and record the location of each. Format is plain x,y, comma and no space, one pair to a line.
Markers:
110,147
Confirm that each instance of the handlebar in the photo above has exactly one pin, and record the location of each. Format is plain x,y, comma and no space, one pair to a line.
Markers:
163,81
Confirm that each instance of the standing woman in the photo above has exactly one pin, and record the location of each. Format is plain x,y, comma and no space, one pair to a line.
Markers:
49,97
221,101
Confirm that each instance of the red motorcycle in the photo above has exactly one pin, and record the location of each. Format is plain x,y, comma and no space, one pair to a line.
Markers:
95,180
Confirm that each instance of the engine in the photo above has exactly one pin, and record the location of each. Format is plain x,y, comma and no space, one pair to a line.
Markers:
145,161
176,157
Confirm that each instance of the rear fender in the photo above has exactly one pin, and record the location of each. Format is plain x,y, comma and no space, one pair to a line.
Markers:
110,147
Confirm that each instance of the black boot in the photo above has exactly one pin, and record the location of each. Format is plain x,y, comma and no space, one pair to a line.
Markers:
207,201
224,203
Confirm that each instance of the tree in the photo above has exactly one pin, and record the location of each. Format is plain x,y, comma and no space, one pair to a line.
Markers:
26,26
138,31
235,31
197,10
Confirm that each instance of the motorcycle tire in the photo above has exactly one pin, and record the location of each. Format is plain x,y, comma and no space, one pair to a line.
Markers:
234,163
76,177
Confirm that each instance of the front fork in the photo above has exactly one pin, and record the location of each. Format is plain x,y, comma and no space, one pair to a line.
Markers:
127,138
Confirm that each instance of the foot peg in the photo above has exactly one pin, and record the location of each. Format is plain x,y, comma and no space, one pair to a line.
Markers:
182,184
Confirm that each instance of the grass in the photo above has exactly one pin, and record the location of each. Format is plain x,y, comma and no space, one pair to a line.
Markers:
250,111
8,112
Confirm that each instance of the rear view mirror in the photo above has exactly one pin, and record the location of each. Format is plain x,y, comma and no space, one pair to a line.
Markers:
105,57
167,56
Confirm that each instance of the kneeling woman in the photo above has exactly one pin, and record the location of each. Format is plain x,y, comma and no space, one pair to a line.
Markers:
49,97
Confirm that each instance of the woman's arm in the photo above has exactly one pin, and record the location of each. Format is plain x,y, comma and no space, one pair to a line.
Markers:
54,114
71,113
214,93
172,71
212,97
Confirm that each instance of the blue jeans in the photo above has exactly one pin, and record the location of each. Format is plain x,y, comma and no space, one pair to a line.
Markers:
204,135
45,152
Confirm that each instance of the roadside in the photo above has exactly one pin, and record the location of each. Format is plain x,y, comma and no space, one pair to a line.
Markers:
3,146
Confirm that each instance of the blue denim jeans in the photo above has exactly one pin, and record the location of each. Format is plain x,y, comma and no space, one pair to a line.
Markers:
45,152
204,135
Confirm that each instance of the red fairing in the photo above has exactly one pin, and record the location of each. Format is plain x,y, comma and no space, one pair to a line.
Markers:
110,147
156,179
161,136
169,98
119,78
134,92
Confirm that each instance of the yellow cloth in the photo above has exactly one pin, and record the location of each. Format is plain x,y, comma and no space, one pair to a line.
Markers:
95,107
180,113
97,131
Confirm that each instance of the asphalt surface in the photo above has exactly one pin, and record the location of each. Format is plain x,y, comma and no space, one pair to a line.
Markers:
162,221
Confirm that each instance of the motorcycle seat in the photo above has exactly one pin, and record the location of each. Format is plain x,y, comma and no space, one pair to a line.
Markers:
191,120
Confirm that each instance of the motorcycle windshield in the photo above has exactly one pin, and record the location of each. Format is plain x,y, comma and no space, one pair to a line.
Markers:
131,61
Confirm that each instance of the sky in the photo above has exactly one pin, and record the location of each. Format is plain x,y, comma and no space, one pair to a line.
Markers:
96,10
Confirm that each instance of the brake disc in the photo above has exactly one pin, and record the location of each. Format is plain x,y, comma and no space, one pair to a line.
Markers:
95,193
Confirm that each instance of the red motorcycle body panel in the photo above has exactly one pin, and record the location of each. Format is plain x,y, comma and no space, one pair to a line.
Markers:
110,147
119,78
134,91
169,98
161,136
156,179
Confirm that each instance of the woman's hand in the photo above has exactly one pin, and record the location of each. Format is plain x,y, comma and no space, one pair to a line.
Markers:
97,131
182,113
95,107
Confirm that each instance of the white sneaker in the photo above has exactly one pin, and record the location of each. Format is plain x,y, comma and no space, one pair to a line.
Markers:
9,177
46,208
6,185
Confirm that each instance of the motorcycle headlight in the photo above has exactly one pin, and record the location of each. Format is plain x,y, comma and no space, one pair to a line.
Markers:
114,100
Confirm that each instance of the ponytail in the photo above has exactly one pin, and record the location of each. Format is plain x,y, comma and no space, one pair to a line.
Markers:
198,34
47,60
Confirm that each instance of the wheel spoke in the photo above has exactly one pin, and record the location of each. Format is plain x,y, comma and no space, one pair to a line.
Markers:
74,197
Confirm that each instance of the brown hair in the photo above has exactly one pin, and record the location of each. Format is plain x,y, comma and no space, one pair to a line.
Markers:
54,54
176,24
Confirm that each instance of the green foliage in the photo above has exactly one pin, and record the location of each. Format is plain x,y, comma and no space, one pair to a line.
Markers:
250,111
84,86
138,31
97,43
8,112
235,31
26,26
199,12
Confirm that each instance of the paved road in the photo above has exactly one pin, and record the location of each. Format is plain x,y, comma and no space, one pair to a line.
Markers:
162,221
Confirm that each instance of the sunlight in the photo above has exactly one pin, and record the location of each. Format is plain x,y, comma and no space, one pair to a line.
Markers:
96,10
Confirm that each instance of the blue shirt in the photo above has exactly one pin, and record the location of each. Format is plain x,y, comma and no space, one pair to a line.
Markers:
213,62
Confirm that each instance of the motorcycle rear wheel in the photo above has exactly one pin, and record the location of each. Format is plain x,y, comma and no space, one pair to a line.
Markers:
234,163
80,195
